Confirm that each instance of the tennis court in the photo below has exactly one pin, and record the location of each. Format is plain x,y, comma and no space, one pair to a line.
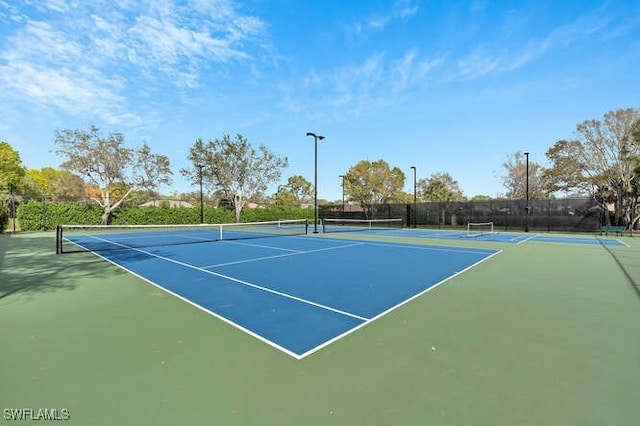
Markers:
260,277
485,233
526,334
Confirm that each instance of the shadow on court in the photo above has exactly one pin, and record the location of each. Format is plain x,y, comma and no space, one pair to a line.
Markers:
29,265
628,260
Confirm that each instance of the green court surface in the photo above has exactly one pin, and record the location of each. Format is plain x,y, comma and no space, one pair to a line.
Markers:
541,334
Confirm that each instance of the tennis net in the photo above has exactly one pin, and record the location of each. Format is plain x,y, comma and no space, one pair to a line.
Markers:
356,225
479,229
74,238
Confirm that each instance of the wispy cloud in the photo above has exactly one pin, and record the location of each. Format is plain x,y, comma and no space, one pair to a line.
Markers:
89,57
506,55
400,10
350,90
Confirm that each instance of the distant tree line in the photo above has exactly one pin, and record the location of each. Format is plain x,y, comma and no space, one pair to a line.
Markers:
601,162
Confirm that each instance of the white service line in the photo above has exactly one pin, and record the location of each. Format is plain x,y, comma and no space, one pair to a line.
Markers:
259,245
296,253
248,284
527,239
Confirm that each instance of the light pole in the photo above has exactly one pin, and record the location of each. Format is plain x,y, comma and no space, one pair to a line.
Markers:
414,197
13,206
526,207
200,166
316,138
342,176
44,212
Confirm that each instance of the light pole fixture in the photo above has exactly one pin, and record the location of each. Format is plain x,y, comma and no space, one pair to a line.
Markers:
526,207
415,198
200,166
342,176
316,138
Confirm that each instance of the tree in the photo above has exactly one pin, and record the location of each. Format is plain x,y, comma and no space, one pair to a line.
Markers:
566,174
515,181
234,166
284,198
295,192
300,188
11,169
57,185
373,183
441,188
635,132
109,166
604,157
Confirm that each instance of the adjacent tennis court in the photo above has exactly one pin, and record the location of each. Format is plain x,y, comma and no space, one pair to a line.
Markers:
476,231
261,277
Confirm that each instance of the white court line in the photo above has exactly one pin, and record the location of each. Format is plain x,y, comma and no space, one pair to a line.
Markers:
248,284
622,242
364,320
202,308
527,239
297,252
432,247
393,308
259,245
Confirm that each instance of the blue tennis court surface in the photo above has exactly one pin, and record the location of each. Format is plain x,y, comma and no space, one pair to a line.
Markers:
296,293
500,237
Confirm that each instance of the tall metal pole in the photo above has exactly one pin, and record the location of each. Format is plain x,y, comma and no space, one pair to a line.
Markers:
342,176
316,138
200,166
44,212
13,207
415,198
526,220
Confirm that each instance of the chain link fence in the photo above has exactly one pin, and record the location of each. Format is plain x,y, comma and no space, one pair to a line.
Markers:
562,215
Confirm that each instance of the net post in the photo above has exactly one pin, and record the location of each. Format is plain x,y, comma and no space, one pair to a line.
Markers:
220,232
58,239
306,226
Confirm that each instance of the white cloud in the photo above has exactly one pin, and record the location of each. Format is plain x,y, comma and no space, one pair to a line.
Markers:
405,8
400,10
410,70
92,57
351,89
477,64
506,55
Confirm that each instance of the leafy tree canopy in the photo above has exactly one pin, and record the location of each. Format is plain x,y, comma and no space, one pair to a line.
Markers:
234,166
11,169
57,185
515,181
602,160
295,192
440,187
111,168
373,183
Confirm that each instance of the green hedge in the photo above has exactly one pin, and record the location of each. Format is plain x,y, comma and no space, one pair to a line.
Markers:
37,216
4,217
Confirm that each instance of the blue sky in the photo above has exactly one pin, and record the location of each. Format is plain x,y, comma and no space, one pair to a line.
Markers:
446,86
